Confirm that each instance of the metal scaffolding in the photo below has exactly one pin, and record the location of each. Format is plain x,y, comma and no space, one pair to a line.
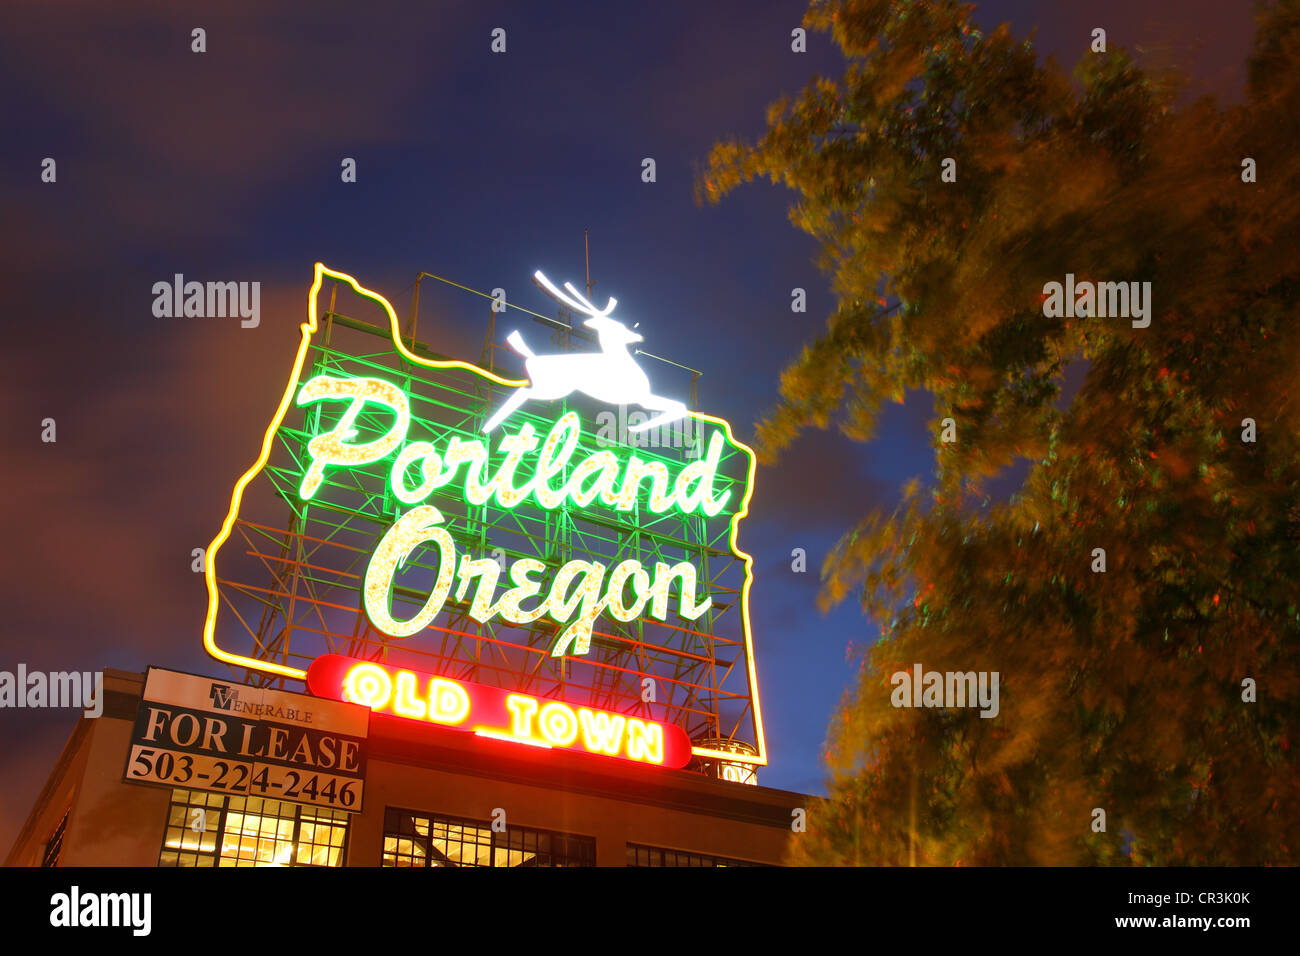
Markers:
290,588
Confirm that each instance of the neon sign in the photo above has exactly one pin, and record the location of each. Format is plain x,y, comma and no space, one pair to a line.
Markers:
433,489
599,476
575,596
579,592
497,713
611,375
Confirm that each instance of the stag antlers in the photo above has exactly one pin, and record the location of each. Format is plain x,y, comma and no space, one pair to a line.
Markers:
610,375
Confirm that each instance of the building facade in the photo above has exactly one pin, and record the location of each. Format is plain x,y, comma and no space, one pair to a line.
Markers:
463,800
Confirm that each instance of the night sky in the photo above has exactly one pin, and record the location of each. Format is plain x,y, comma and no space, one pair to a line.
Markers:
477,166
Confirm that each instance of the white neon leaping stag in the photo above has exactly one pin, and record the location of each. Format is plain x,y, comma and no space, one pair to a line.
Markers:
610,375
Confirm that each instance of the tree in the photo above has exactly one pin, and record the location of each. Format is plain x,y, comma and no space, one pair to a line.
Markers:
1120,690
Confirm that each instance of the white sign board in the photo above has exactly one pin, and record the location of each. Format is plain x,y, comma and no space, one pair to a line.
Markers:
216,735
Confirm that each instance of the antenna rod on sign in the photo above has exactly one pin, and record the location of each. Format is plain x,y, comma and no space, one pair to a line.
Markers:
586,249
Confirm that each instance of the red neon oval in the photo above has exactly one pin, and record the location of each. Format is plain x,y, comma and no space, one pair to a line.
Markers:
489,711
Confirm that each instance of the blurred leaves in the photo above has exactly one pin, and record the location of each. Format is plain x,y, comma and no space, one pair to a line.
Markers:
1119,690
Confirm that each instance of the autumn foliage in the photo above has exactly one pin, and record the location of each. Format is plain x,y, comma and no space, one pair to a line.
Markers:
1120,690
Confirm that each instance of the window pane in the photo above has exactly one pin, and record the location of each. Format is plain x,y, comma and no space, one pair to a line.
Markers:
656,856
457,842
239,831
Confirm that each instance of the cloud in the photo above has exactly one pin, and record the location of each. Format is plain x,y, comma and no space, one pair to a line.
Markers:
101,522
164,138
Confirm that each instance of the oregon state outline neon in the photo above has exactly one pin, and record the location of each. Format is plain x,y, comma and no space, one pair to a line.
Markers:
308,330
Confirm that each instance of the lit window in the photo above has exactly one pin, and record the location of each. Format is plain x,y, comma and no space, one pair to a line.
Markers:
208,829
416,839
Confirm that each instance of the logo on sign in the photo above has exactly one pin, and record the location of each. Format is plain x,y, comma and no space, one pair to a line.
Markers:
223,695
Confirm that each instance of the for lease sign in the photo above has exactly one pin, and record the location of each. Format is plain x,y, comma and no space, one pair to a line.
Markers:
207,734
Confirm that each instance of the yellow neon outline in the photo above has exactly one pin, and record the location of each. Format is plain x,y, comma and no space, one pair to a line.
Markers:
506,735
308,329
